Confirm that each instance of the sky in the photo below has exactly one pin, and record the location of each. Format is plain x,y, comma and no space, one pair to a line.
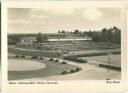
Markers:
53,19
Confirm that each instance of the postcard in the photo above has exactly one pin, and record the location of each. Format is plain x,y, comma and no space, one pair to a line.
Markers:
64,46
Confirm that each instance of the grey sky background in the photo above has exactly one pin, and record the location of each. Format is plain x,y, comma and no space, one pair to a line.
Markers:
53,19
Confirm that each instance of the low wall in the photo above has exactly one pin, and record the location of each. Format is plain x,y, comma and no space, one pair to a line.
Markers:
111,67
75,59
99,53
33,52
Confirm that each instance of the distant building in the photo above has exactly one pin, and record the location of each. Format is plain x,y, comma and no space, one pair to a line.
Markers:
28,40
66,38
58,38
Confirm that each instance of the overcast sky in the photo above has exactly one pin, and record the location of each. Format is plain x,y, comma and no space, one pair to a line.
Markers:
53,19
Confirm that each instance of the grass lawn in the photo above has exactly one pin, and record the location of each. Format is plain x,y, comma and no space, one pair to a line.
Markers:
24,65
115,60
51,69
29,52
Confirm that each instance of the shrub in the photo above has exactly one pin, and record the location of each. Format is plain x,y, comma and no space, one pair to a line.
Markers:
64,72
22,56
85,61
75,59
17,56
51,59
78,69
111,67
72,71
86,55
34,57
116,52
107,79
56,60
64,62
41,58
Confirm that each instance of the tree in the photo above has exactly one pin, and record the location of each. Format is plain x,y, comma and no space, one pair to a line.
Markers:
13,39
41,38
116,35
112,34
104,34
59,31
63,31
96,36
76,32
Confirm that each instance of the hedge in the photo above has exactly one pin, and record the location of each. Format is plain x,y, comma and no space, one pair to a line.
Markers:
111,67
75,59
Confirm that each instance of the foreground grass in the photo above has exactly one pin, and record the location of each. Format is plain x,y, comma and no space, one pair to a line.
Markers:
52,68
115,59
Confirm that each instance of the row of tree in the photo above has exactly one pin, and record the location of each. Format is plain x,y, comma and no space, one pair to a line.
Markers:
112,34
41,38
106,35
13,39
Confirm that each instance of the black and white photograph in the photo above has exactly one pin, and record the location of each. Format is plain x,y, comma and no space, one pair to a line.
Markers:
64,46
64,43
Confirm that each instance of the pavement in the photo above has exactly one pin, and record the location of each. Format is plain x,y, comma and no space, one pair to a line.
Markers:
88,72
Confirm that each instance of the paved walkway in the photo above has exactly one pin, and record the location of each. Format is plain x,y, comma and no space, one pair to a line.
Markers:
88,72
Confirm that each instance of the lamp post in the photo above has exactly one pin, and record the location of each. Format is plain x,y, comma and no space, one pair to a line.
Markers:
109,60
108,64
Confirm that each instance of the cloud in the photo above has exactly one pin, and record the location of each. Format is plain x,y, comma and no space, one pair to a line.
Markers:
92,14
26,22
19,21
52,19
37,14
60,10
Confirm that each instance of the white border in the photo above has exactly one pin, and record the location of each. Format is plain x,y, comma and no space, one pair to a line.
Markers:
63,86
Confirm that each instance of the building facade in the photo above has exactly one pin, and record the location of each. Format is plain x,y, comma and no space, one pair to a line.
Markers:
27,40
59,38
